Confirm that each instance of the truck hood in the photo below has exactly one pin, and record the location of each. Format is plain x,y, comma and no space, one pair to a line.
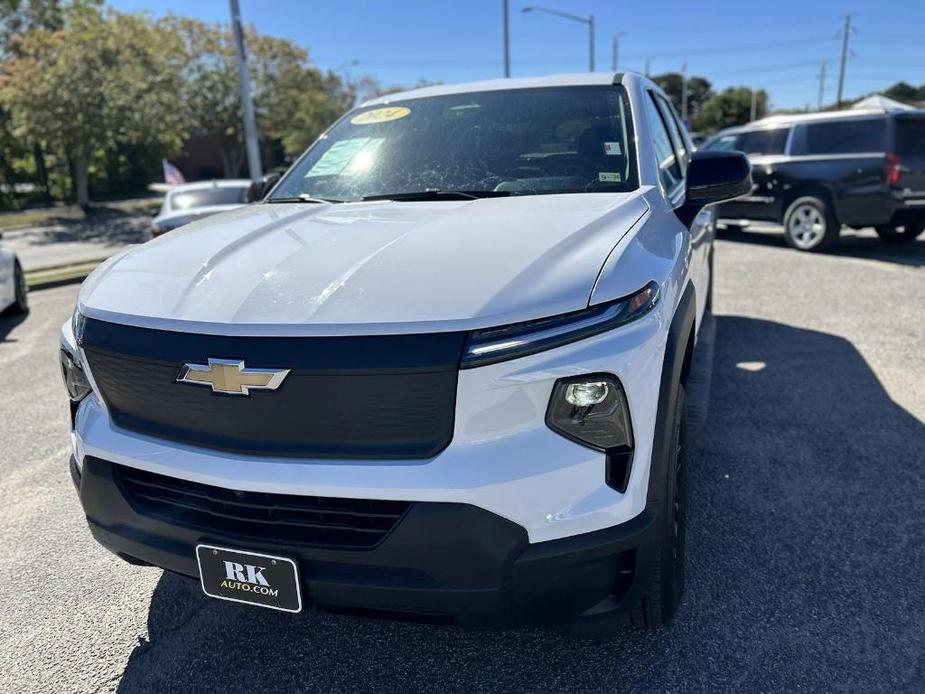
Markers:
373,267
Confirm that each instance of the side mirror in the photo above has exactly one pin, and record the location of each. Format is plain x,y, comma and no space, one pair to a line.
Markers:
714,176
260,188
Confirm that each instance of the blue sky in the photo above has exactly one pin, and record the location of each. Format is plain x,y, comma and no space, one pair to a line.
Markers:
777,45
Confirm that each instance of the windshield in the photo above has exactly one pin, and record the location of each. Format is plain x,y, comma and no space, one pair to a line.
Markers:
512,142
203,197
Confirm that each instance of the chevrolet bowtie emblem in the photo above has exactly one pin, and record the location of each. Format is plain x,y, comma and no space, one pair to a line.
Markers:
230,376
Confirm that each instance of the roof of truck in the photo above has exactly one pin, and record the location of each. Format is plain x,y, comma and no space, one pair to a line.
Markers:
564,80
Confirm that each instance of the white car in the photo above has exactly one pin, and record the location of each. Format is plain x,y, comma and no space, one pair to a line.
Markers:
440,371
14,296
192,201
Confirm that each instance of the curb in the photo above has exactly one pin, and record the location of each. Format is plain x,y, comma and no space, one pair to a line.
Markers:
59,275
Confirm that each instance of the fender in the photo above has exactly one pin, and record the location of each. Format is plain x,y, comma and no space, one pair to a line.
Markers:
673,374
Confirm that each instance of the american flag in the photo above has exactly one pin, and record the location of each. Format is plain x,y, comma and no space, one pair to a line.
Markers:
172,175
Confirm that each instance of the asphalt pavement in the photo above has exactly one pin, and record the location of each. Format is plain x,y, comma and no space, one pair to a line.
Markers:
71,243
806,555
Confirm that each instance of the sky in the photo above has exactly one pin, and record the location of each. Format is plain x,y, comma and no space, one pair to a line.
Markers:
777,45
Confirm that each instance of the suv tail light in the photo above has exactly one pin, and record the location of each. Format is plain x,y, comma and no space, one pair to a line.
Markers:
892,169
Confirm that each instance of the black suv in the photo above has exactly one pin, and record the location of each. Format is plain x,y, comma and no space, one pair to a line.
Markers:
814,173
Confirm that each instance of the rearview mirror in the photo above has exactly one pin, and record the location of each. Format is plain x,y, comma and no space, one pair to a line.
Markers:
714,177
260,188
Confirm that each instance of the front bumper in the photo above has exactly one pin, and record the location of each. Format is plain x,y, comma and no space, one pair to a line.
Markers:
443,561
503,458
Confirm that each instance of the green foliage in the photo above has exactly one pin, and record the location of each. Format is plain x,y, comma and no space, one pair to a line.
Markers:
98,97
102,81
294,101
906,93
730,107
699,90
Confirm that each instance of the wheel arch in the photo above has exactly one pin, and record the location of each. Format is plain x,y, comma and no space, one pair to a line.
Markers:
676,365
815,189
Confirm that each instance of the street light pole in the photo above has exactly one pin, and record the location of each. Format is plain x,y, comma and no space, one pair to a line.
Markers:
247,103
589,20
616,48
506,24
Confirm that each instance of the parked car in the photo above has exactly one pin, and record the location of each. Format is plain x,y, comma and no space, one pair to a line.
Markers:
814,173
191,201
14,295
441,371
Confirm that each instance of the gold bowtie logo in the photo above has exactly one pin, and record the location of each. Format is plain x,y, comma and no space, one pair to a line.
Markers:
230,376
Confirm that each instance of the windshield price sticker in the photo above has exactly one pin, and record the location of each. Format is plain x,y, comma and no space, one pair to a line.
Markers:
612,148
609,177
380,115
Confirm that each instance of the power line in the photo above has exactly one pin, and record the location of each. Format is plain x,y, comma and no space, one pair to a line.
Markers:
766,68
729,49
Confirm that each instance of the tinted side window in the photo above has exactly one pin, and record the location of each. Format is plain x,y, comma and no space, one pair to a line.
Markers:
668,170
845,137
674,131
765,141
910,136
726,143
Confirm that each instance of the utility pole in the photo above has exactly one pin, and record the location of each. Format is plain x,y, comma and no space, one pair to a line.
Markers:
846,32
754,110
591,42
821,85
647,66
684,92
250,121
616,48
506,22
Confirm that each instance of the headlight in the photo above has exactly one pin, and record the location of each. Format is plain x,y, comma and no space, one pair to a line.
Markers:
591,410
75,380
520,339
78,321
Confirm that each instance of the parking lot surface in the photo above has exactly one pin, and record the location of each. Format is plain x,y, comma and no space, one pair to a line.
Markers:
806,554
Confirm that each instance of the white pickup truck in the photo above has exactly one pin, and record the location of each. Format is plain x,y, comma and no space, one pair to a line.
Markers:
439,371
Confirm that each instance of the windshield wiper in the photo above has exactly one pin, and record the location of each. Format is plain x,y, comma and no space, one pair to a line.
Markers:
305,197
439,195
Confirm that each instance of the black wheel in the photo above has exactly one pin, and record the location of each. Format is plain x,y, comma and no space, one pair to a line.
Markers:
21,302
809,225
899,233
663,595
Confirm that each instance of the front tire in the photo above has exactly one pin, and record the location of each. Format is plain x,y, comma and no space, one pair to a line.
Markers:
663,594
900,233
20,303
809,225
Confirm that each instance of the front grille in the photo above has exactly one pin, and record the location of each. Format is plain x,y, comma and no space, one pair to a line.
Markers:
285,519
389,396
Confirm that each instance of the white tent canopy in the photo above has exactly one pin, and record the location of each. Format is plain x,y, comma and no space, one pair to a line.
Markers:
882,102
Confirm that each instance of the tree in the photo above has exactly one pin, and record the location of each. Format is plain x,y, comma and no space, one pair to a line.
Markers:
293,100
699,89
103,79
21,16
905,92
730,107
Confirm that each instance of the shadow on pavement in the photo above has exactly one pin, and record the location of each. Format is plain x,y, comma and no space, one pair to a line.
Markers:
104,229
806,534
850,245
9,321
